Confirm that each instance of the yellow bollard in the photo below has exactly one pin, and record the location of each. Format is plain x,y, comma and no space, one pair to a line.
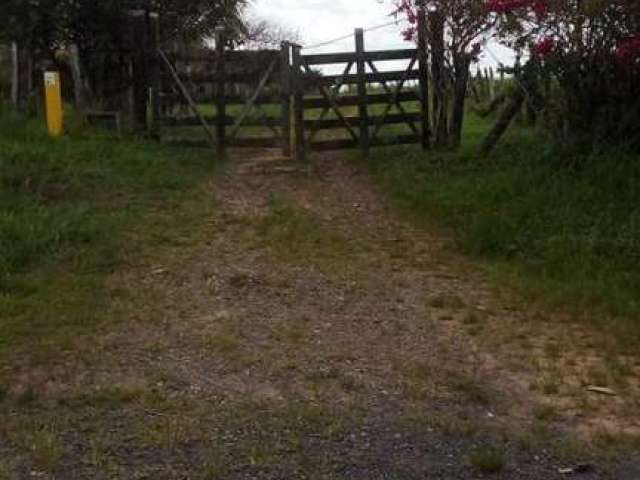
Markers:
53,103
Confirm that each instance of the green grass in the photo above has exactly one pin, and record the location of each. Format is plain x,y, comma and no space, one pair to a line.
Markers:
569,236
74,209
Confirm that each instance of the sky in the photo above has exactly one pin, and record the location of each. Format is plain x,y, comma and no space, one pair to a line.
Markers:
318,21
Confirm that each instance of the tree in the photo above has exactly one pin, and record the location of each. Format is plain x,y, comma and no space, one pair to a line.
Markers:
456,30
263,34
591,48
99,31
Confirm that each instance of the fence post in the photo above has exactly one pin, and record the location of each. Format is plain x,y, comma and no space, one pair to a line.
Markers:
436,25
492,85
424,76
285,94
15,76
362,93
221,106
153,26
140,69
298,104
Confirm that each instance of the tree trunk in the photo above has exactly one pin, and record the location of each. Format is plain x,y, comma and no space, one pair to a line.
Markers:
15,76
503,122
79,85
461,64
436,30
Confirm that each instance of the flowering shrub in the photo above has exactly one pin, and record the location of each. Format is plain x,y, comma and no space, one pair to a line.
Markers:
628,51
589,48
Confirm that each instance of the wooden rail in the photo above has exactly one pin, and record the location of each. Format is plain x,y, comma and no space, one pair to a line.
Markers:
318,91
245,87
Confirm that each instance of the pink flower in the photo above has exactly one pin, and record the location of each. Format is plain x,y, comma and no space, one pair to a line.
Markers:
540,8
409,34
544,47
628,51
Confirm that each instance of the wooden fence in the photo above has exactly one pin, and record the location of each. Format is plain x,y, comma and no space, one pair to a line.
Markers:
238,96
386,90
242,90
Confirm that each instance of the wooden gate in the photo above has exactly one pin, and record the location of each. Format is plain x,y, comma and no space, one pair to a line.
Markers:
224,98
382,98
237,98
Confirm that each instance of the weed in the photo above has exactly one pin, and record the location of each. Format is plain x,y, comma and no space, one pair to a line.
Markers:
550,384
168,431
45,447
298,235
545,413
105,398
471,388
214,464
27,397
487,459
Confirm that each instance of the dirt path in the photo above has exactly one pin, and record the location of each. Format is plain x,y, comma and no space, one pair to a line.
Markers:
307,332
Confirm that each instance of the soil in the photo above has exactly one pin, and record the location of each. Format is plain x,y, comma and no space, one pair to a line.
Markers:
309,331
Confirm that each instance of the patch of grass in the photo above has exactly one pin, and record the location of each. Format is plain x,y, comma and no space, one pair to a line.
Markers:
550,384
74,209
470,388
106,398
488,459
545,413
417,378
45,447
168,431
446,301
298,235
567,236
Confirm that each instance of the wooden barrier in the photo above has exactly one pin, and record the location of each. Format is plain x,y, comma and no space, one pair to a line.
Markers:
244,88
363,129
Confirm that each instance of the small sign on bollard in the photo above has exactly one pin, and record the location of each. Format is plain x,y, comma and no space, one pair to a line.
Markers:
53,103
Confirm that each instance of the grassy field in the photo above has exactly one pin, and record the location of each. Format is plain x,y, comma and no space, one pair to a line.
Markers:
74,209
569,237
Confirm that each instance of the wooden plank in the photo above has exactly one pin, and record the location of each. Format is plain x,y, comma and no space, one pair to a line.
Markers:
240,142
337,144
298,105
187,97
269,122
155,85
423,67
392,119
363,111
396,75
15,76
231,56
256,142
221,106
246,78
344,57
408,139
181,142
250,78
285,97
264,99
372,99
347,143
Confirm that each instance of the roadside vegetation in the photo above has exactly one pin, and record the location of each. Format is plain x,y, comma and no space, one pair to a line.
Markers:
74,209
564,228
